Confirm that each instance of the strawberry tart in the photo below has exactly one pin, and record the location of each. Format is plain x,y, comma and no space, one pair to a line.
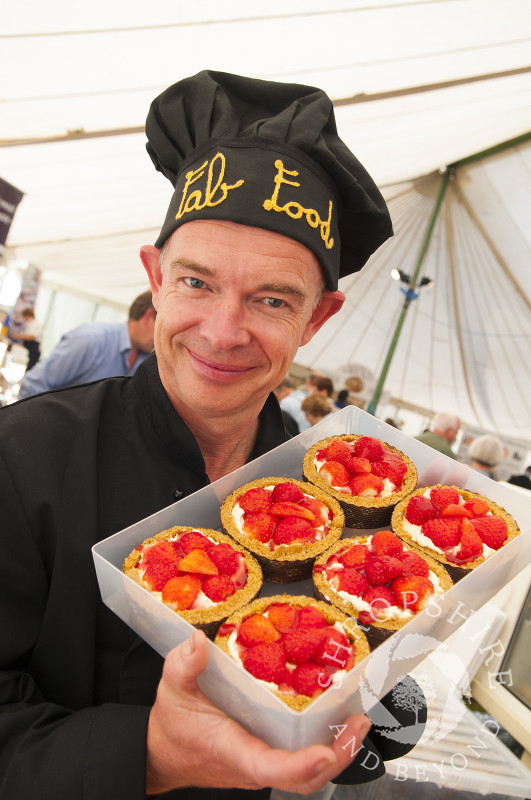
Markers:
378,580
294,645
456,527
201,574
285,524
367,476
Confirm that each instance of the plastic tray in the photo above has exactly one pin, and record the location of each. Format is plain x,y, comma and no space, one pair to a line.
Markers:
225,682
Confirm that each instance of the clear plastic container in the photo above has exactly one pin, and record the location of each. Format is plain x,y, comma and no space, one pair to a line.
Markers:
235,691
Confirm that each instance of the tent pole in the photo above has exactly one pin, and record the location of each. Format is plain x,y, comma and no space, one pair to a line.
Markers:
410,294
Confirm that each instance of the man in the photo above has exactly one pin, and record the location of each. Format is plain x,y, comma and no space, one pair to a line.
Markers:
96,350
237,290
282,392
30,336
442,433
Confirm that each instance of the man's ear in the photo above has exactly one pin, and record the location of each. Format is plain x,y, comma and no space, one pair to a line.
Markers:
329,304
150,257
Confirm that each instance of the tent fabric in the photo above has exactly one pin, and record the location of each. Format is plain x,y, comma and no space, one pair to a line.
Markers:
416,87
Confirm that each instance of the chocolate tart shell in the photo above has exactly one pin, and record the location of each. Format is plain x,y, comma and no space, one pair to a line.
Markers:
361,512
206,619
286,563
332,614
457,572
377,631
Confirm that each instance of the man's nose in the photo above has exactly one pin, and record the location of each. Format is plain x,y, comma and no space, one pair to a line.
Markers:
226,324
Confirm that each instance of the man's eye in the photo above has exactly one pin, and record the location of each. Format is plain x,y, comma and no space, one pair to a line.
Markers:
194,283
273,302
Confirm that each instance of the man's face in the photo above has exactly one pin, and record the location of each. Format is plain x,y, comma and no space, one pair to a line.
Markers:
233,303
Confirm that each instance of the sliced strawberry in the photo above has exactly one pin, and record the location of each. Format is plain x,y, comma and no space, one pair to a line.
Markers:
334,473
382,569
283,616
292,529
411,591
471,545
366,485
414,564
198,562
394,469
386,543
337,450
308,679
477,507
443,496
333,650
370,448
224,557
193,541
257,629
379,598
442,535
291,510
259,525
257,499
267,662
354,556
218,588
300,645
492,530
287,492
420,509
160,563
180,592
356,465
351,581
321,512
309,617
454,510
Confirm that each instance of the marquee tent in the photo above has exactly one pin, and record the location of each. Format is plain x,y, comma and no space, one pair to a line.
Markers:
417,87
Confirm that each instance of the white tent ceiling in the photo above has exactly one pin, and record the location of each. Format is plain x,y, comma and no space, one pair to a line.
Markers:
417,85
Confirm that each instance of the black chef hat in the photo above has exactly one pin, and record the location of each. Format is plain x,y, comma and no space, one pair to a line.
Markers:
266,154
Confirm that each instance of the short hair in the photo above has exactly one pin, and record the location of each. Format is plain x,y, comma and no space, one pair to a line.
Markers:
141,304
28,312
325,384
316,404
443,421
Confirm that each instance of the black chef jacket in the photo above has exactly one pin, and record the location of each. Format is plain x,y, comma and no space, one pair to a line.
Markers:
76,686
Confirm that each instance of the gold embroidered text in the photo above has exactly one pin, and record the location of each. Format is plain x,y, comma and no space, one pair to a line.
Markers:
215,190
294,209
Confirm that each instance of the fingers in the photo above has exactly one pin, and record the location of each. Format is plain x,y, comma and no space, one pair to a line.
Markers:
186,662
306,770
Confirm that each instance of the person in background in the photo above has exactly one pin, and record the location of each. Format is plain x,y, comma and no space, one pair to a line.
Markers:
442,433
523,480
486,452
30,336
96,350
342,400
316,407
283,392
90,711
320,384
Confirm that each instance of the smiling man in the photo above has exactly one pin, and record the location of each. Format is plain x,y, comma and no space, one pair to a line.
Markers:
269,209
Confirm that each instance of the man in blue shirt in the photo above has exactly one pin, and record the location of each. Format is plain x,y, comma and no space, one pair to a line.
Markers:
96,350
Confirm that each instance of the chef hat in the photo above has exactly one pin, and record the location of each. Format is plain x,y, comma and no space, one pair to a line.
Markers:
266,154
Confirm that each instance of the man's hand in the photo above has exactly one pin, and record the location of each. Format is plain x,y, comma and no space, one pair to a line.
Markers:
190,742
